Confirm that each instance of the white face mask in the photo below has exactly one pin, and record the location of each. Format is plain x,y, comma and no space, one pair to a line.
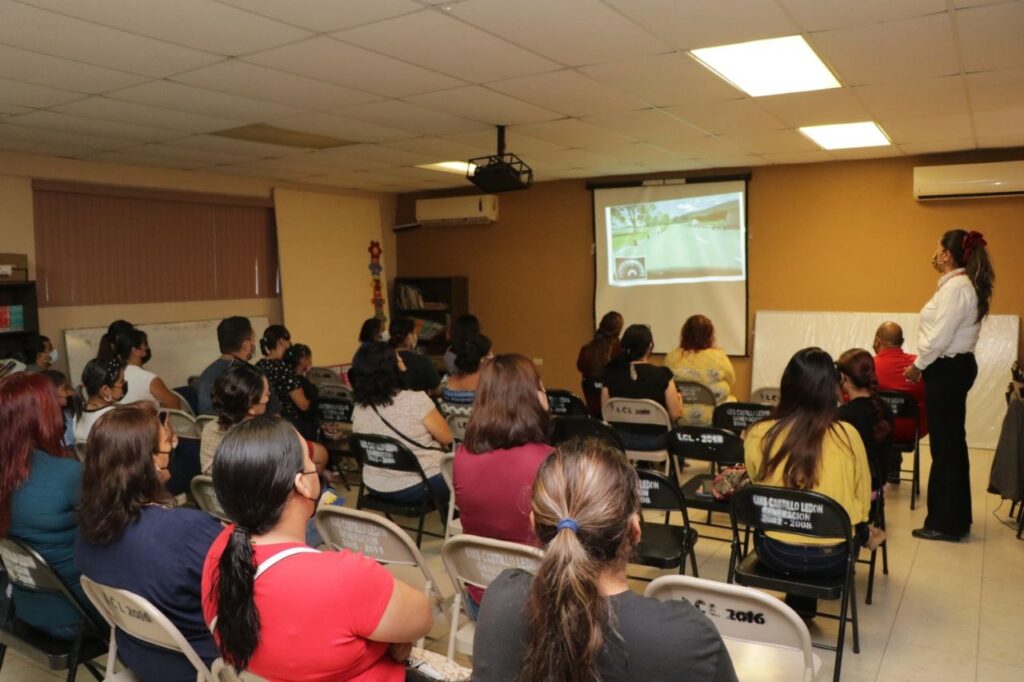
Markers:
53,356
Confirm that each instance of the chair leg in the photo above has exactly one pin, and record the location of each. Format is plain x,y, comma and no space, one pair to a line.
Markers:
75,648
454,631
853,613
419,528
871,575
693,562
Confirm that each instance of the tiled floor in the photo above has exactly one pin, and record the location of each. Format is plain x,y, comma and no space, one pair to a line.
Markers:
946,612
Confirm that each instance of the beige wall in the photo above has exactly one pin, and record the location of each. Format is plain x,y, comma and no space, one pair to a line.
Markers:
17,234
845,236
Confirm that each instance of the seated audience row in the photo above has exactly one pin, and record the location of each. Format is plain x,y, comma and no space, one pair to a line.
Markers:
458,388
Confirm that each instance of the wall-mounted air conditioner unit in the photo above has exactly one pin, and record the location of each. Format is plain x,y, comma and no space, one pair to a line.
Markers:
474,210
969,181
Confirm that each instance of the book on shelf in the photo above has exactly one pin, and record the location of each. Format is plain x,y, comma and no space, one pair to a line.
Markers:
12,318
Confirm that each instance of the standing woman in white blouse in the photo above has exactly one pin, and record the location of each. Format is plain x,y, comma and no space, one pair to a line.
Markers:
950,323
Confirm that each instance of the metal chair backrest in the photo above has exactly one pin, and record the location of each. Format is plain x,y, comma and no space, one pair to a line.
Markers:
206,497
384,452
139,619
706,443
741,613
694,393
27,569
903,406
374,536
184,424
458,423
801,512
661,493
452,526
562,403
186,407
204,419
475,560
222,672
635,412
80,450
768,395
567,428
323,376
738,416
592,385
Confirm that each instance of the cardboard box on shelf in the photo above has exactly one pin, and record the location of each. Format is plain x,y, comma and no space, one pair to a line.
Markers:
13,267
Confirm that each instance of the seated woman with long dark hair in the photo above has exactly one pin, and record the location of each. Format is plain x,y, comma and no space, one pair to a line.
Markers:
805,446
130,539
385,407
594,358
577,619
240,393
39,491
281,609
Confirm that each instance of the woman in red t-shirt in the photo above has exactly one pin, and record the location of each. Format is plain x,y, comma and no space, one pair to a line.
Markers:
276,606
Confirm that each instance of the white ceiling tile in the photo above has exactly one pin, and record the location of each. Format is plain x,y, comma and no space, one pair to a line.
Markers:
342,128
442,149
637,153
998,122
8,109
335,62
799,157
730,116
29,95
569,93
647,125
664,79
63,36
480,104
336,163
867,153
700,147
770,142
195,157
928,128
199,24
572,158
689,24
996,89
991,37
914,98
262,83
514,142
1011,140
976,3
440,42
556,30
820,107
11,145
205,102
134,159
405,116
815,15
142,114
72,143
216,143
327,15
572,133
890,52
937,147
378,153
741,161
55,72
80,125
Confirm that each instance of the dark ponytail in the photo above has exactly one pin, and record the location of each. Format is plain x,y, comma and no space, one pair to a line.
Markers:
273,335
584,499
128,340
253,475
969,252
858,365
106,352
96,374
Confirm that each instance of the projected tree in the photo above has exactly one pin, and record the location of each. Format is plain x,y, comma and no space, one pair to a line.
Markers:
634,216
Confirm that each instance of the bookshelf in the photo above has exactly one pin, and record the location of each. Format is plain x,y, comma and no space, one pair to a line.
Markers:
19,316
437,300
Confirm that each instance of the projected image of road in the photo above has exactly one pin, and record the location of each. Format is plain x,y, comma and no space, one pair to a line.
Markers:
693,239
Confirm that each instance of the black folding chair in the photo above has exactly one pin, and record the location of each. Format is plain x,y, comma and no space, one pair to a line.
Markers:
663,545
592,396
904,406
566,428
738,416
694,393
878,518
562,403
721,448
766,509
334,407
384,452
29,571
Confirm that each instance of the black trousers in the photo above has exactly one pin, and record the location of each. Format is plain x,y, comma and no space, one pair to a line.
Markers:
947,381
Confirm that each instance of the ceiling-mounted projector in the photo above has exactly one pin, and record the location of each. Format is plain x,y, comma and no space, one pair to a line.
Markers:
501,172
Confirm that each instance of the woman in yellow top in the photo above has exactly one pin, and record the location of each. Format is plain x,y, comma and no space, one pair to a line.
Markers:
805,446
698,360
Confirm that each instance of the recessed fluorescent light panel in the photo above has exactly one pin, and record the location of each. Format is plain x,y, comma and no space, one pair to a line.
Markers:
454,167
847,135
769,67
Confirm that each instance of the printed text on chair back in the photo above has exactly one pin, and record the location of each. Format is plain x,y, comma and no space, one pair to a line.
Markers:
369,534
131,614
792,511
457,423
563,403
738,416
26,569
695,394
635,411
384,452
901,404
479,563
657,492
706,443
766,395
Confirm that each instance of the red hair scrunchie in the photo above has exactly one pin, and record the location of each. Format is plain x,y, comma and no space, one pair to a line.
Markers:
971,240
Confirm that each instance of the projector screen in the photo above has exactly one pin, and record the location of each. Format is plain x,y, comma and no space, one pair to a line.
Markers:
665,252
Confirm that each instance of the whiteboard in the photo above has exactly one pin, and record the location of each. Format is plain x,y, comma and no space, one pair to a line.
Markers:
180,349
779,334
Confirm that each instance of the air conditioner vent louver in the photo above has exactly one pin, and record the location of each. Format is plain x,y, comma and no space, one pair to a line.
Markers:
473,210
969,181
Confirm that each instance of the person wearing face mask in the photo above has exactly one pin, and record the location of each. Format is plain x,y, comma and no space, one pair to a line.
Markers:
419,373
313,615
948,332
299,359
284,384
69,407
132,347
236,340
129,538
39,354
104,386
39,492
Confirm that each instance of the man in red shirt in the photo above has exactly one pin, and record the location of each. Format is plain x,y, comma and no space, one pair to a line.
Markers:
890,362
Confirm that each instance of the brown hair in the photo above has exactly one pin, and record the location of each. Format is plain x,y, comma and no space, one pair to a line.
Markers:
858,365
697,333
602,347
592,484
119,477
968,251
506,409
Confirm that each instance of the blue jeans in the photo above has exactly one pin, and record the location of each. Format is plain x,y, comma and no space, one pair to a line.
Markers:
414,495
